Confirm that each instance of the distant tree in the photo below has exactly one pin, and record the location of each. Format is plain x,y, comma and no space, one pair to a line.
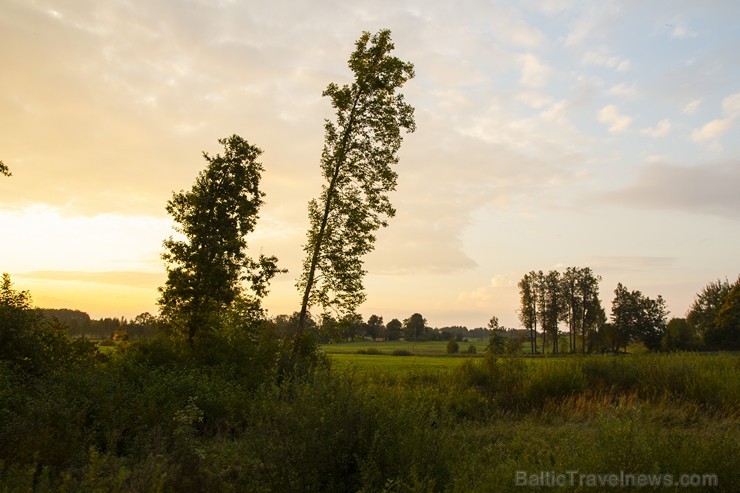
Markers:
653,326
582,305
360,150
726,333
394,329
551,307
702,315
636,317
625,316
679,336
206,268
4,169
76,323
453,347
32,342
414,327
571,310
496,340
375,327
528,306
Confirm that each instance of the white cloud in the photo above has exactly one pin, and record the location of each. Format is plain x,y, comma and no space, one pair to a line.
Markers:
617,122
691,107
516,31
601,59
554,6
731,105
681,31
534,100
711,132
534,72
661,130
624,91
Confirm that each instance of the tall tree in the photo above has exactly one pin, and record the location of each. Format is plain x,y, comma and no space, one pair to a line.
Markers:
702,315
592,313
395,329
625,316
726,333
415,326
551,307
360,149
4,169
572,306
375,327
496,341
528,306
636,317
206,268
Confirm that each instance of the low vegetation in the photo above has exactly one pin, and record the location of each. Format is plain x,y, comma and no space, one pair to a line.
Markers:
226,415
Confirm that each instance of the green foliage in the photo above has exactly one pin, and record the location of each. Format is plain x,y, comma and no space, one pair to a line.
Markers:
155,418
726,332
414,327
496,342
395,329
453,347
679,335
636,317
31,342
360,149
206,267
702,315
4,169
402,352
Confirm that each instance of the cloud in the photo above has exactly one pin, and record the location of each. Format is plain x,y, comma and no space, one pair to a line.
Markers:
706,189
661,130
601,59
624,91
534,72
681,31
617,122
593,22
691,107
731,105
128,278
620,264
712,131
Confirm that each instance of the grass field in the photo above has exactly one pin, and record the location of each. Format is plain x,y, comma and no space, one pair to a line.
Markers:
425,348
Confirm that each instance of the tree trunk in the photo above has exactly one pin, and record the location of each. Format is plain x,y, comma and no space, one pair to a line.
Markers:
339,162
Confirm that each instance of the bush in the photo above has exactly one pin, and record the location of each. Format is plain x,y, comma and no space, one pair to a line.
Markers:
402,352
453,347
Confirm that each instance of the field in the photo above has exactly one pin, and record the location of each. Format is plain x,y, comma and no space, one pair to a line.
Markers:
151,416
428,355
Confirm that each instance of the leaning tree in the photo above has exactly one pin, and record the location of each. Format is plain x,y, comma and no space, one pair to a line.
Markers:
360,151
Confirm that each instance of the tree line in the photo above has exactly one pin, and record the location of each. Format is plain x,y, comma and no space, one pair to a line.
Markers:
571,300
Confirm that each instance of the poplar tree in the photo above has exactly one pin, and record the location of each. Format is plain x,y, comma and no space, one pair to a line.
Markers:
360,150
529,303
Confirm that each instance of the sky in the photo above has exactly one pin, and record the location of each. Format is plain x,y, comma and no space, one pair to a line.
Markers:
550,133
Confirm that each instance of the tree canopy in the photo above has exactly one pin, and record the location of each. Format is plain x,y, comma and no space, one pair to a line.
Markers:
360,149
208,263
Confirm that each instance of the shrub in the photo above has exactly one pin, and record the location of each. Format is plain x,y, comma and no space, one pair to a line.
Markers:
402,352
453,347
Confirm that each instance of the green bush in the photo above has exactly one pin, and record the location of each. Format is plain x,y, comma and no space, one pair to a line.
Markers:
402,352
